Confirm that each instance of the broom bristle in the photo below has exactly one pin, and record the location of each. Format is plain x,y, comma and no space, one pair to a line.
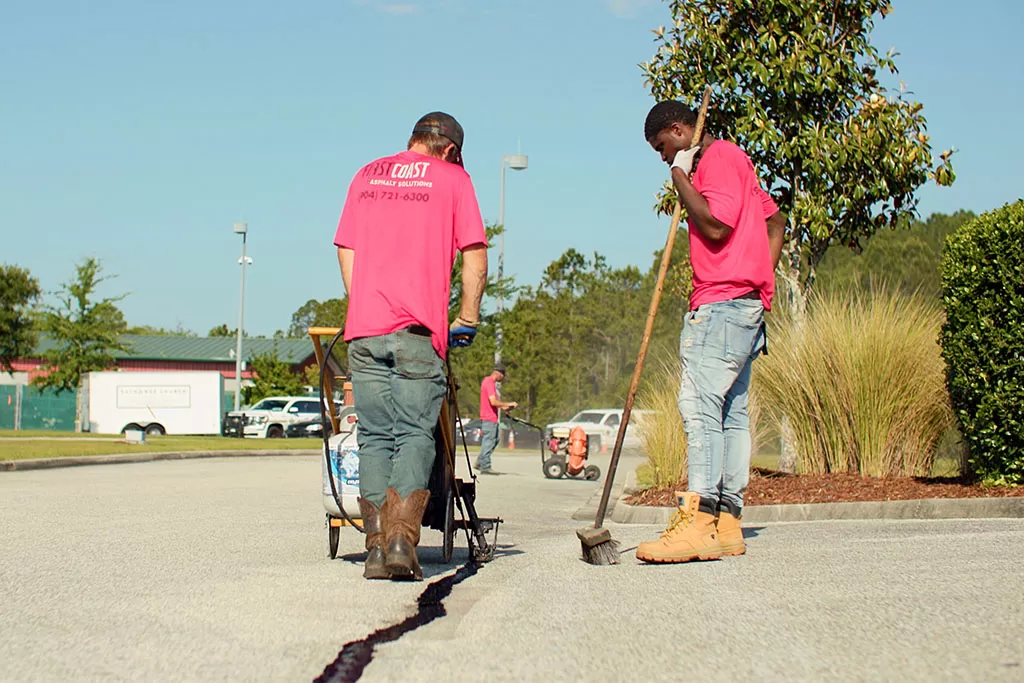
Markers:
601,553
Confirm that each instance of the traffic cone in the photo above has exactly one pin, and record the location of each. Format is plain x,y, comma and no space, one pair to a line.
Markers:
511,439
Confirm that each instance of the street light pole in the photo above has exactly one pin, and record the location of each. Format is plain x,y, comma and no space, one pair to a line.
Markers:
517,162
501,262
243,230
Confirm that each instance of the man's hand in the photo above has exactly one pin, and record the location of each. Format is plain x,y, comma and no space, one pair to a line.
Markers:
461,333
684,159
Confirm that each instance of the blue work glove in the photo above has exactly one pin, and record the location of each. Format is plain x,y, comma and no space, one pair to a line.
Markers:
461,334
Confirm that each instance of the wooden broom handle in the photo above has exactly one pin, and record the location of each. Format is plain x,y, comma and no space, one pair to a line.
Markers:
652,312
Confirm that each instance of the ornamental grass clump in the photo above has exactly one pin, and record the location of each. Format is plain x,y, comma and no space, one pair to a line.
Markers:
861,380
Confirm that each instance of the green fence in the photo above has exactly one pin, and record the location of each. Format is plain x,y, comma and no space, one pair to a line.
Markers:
8,405
39,408
46,409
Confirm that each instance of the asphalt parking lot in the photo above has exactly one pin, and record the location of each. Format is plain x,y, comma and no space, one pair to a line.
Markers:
217,570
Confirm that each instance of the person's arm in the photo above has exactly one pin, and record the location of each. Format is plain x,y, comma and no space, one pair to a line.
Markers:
345,258
474,279
345,235
776,236
471,240
698,210
501,405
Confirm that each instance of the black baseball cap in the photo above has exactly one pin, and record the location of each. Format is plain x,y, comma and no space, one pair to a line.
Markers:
500,367
441,124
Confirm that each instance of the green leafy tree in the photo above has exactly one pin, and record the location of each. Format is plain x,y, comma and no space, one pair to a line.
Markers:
272,377
223,330
151,330
329,313
313,313
797,84
19,291
905,260
85,332
506,287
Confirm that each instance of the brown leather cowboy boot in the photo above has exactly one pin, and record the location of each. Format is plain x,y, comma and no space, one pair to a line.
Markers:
374,567
402,522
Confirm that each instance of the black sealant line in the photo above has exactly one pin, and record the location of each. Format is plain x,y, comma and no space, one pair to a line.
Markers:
355,656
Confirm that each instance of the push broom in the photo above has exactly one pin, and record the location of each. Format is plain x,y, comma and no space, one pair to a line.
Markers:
598,545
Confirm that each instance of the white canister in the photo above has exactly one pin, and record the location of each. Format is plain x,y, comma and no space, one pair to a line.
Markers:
344,459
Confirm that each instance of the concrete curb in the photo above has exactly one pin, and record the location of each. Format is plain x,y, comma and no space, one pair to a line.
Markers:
931,508
123,458
588,511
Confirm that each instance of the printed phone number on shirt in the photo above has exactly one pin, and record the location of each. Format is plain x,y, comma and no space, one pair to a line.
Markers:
389,196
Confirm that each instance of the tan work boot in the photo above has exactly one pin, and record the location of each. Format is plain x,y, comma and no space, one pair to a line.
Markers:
690,535
730,535
402,521
374,567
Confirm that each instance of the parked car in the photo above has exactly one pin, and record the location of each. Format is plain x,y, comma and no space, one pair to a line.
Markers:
270,417
472,432
601,426
313,428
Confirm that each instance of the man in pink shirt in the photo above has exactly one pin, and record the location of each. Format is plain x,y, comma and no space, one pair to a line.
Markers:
404,219
490,404
736,234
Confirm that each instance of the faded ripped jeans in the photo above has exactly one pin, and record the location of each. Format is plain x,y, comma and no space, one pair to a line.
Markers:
398,384
717,347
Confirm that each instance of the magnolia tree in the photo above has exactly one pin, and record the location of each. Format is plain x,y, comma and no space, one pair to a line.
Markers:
797,85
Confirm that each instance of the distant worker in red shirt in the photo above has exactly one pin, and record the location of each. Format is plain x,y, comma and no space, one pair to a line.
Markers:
736,234
404,219
490,404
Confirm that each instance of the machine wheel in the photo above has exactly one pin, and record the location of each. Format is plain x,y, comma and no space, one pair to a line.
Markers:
554,468
449,527
333,533
592,473
275,432
155,429
130,427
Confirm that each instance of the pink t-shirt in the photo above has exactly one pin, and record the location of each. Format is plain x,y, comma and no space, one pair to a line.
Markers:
405,216
743,262
488,388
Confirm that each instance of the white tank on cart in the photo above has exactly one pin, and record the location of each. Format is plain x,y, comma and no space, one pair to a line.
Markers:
344,458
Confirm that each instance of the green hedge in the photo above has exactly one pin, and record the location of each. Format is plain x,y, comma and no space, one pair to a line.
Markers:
983,340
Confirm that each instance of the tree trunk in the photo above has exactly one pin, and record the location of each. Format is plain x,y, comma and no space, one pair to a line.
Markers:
80,396
787,447
796,304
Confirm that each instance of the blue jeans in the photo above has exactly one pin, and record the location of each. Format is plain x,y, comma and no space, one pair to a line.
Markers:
398,384
717,347
488,442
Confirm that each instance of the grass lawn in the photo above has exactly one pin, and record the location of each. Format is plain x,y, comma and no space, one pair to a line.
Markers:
108,445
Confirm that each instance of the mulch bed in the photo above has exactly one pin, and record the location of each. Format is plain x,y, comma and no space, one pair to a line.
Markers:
775,488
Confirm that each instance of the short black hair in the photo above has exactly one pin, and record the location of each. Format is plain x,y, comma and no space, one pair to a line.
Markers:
664,114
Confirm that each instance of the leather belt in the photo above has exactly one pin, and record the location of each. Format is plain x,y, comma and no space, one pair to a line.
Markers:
419,330
751,295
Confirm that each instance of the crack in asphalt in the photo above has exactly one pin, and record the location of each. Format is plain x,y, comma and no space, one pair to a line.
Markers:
356,655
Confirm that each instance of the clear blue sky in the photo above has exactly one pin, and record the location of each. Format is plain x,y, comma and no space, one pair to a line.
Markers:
138,132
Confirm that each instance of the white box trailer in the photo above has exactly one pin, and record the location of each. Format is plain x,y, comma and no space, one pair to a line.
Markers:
154,402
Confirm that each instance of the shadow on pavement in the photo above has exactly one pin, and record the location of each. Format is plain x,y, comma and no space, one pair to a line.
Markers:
431,559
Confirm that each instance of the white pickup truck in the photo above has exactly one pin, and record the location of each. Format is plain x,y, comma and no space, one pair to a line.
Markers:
269,418
601,426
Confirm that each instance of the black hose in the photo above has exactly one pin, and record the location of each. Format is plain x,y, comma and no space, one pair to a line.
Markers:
327,439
